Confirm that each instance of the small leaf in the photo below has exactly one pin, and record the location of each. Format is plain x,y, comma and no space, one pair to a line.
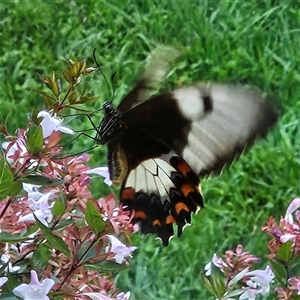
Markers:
46,95
6,179
279,271
207,284
59,208
12,238
35,140
94,218
86,99
55,87
41,255
41,180
54,240
68,77
218,281
73,97
285,252
8,296
109,266
16,188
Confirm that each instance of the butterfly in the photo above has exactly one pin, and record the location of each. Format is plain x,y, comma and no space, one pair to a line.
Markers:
160,145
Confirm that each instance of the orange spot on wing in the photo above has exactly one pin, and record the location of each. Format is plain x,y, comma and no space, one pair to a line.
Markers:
170,219
128,194
184,168
156,222
181,206
186,189
140,215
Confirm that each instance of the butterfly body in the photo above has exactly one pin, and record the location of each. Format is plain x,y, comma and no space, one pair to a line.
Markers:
160,144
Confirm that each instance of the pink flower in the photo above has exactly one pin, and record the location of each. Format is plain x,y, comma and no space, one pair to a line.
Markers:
295,284
35,290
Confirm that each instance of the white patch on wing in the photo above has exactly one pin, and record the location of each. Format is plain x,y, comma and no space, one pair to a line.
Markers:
152,176
190,102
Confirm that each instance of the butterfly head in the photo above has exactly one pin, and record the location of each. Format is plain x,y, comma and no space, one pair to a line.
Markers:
110,124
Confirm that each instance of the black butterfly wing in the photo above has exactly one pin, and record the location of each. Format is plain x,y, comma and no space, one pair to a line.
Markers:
170,140
206,124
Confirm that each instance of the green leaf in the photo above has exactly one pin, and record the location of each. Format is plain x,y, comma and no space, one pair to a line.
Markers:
94,218
207,284
285,252
73,97
108,266
11,283
12,238
41,180
279,271
59,208
35,140
6,179
218,281
8,296
68,76
16,188
41,255
54,240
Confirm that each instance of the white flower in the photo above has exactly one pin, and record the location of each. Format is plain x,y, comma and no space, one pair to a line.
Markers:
97,296
35,290
259,283
120,250
295,204
100,296
30,188
3,280
123,296
102,171
5,258
287,237
218,262
52,123
41,209
249,294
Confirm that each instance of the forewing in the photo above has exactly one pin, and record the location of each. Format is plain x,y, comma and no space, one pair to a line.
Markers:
207,124
154,74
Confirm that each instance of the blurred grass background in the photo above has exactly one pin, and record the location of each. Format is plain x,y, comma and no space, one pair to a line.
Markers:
253,42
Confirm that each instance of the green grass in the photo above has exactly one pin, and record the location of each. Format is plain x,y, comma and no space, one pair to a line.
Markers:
254,42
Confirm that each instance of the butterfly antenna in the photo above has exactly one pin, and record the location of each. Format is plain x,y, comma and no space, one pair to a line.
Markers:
112,80
99,68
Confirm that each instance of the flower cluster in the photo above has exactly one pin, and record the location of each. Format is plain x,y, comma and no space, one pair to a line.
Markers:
232,275
51,226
